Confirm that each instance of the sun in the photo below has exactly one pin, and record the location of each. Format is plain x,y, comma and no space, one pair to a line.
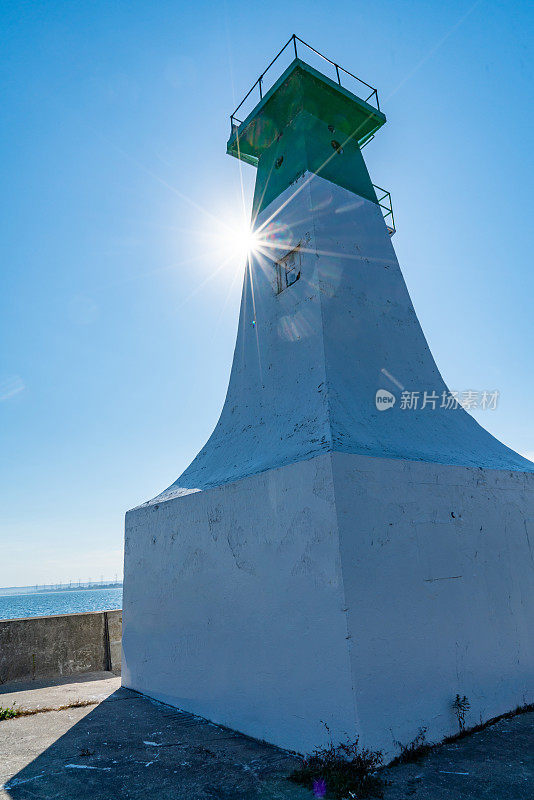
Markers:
229,239
242,240
235,239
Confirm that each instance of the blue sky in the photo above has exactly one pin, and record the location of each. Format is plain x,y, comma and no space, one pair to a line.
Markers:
117,323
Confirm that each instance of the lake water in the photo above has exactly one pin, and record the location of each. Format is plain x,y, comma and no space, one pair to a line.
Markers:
46,604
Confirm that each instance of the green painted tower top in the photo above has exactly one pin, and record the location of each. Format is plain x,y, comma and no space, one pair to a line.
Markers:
301,124
302,88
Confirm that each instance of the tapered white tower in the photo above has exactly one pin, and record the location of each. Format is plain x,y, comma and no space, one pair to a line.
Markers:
350,546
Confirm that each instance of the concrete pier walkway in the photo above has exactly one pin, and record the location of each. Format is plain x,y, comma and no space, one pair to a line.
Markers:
122,745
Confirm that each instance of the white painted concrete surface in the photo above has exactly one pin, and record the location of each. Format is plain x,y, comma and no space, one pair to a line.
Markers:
341,590
438,575
235,606
321,560
304,378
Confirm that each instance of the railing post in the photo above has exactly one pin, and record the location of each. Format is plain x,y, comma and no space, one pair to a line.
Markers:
295,45
259,83
337,72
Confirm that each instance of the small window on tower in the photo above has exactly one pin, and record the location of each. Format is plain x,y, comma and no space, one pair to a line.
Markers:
288,269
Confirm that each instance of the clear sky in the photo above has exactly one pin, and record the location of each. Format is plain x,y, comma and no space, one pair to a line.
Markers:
117,320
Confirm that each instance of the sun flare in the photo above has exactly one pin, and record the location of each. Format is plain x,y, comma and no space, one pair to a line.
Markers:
242,241
232,236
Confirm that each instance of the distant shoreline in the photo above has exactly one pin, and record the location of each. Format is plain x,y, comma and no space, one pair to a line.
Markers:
79,588
9,591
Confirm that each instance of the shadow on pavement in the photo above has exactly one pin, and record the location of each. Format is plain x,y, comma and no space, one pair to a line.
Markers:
131,747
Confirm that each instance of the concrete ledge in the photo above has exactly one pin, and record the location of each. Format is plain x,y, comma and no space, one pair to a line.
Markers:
67,644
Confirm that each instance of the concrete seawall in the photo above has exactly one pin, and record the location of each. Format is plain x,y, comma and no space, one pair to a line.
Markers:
39,647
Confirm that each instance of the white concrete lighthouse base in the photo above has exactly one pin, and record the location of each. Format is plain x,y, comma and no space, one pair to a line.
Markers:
360,592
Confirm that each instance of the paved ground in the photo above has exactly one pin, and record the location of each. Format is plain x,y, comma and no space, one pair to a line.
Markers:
130,747
126,746
494,764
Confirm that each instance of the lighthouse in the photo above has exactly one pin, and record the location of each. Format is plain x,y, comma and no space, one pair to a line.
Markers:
350,546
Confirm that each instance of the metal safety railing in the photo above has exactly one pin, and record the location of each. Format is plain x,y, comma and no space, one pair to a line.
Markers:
384,201
295,41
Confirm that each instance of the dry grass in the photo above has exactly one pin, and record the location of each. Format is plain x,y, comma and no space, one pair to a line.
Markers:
414,751
340,772
12,712
419,747
525,709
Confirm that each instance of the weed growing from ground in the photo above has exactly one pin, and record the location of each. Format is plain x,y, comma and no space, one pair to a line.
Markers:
461,706
341,771
8,713
414,751
527,708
